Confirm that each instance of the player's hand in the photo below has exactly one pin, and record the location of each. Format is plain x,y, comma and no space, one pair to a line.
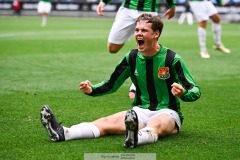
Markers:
177,90
86,87
169,13
224,3
100,9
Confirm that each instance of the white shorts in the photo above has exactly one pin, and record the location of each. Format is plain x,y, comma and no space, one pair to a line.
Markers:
202,10
145,114
124,24
44,7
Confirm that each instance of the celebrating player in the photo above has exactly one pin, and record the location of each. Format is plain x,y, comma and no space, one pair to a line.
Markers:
161,79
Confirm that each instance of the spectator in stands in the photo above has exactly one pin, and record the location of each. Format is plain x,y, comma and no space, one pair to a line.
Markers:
17,7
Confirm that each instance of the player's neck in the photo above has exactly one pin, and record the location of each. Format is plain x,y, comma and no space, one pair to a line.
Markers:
152,50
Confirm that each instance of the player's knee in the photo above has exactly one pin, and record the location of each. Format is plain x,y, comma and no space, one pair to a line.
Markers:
114,48
166,128
101,124
217,21
216,18
163,128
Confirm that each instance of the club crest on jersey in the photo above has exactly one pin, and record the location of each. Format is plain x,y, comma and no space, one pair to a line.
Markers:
163,73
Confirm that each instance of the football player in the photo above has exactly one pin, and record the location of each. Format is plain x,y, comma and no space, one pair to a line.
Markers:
161,79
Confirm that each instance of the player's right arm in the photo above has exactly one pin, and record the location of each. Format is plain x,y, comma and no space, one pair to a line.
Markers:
117,78
171,9
100,7
86,87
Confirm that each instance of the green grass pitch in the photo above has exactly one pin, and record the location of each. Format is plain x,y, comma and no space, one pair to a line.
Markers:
45,65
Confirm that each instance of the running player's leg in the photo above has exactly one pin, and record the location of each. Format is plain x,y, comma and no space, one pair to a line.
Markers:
199,10
217,29
122,29
216,26
44,8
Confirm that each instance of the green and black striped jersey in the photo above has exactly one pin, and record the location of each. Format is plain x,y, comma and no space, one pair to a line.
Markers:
144,5
153,77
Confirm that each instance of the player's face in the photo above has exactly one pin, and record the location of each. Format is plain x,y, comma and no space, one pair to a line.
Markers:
144,35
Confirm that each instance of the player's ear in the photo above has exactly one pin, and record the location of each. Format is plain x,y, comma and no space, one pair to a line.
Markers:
157,34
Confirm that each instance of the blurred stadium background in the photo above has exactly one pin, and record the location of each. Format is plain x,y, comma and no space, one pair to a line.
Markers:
86,8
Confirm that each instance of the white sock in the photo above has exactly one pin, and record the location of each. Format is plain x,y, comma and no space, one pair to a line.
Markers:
44,20
217,31
82,130
147,135
202,38
189,18
182,18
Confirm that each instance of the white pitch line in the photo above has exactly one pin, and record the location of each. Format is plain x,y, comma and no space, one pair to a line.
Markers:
73,34
5,35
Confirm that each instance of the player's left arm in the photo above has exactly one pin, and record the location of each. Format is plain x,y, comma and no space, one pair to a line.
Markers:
186,89
177,90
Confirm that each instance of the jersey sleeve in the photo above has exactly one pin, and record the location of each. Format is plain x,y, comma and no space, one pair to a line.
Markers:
184,77
219,2
106,1
117,78
171,3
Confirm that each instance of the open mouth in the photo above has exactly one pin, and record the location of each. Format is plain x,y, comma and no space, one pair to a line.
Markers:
140,42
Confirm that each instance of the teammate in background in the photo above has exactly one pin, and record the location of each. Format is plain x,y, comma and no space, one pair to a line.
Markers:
44,8
161,78
203,10
17,7
124,23
187,14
